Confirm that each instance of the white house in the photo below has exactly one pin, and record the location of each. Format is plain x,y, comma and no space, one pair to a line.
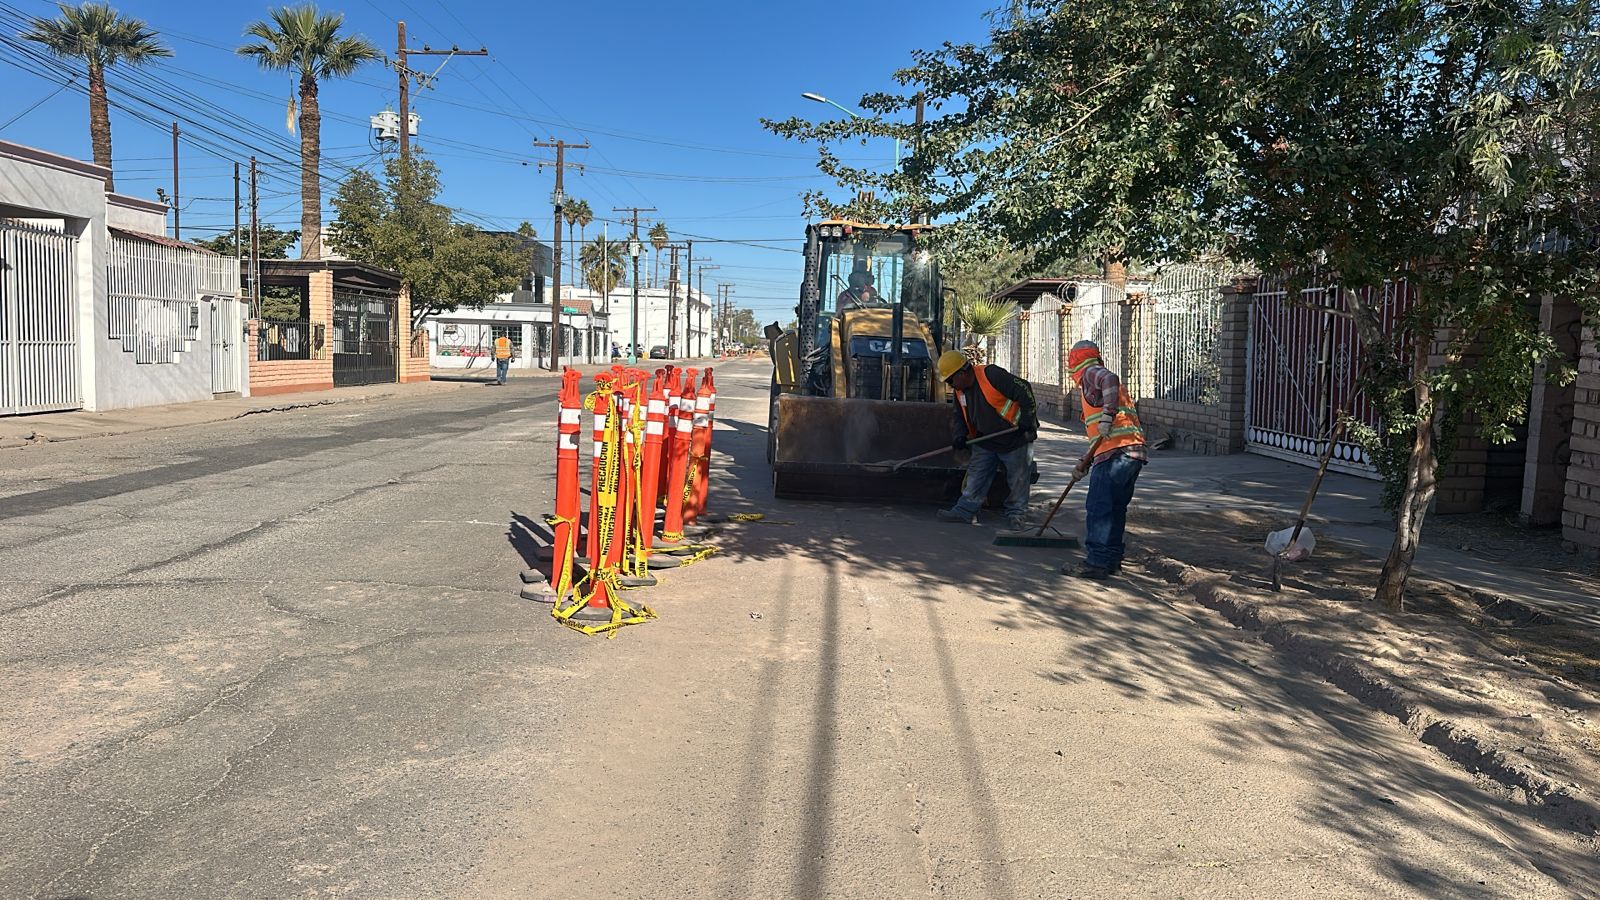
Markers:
99,309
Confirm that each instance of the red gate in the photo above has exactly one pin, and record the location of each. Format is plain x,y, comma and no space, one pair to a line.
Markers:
1304,360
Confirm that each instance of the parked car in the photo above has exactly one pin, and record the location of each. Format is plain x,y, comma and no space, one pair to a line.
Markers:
660,353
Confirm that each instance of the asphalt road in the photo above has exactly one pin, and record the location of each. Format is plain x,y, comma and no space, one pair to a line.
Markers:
284,656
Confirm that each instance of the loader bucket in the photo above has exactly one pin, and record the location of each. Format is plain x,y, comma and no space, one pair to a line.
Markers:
834,449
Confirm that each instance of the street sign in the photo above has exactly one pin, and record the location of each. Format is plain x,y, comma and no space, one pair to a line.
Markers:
570,310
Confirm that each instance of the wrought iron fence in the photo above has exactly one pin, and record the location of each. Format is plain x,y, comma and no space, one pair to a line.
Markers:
153,293
1185,321
279,340
1041,341
1096,315
419,344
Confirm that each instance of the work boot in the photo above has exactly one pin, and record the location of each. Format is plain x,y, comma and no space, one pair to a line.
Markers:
1084,570
1016,523
955,515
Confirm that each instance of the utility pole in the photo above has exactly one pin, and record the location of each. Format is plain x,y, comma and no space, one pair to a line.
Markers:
714,318
633,250
255,245
672,303
177,212
238,253
688,290
558,199
402,53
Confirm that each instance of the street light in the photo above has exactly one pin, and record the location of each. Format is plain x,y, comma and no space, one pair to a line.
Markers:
634,249
818,98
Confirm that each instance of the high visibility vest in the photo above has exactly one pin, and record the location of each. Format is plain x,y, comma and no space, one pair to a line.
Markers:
1005,406
1125,428
502,348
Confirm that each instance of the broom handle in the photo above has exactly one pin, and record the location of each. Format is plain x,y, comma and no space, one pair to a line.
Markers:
1068,489
976,440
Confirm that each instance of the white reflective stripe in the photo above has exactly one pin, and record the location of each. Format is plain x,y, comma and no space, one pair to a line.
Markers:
702,421
571,416
703,404
567,442
685,425
658,407
599,446
655,428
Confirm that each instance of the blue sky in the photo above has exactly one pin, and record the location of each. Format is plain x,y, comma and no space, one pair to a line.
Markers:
668,94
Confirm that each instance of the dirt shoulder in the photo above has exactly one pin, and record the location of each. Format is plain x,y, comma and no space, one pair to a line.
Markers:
1507,691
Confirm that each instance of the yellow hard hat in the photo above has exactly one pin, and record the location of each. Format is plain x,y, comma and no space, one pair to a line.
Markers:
951,362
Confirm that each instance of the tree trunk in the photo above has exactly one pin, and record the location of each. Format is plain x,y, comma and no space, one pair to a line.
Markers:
572,267
1421,482
310,170
100,121
1117,274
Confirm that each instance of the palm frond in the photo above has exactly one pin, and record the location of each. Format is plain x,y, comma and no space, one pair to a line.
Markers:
985,316
97,34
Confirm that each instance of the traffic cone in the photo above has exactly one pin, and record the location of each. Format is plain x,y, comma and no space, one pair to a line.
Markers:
678,472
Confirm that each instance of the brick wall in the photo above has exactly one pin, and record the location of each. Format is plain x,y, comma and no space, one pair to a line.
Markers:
286,376
412,368
1580,517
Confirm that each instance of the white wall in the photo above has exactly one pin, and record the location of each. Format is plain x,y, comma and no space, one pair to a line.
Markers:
653,310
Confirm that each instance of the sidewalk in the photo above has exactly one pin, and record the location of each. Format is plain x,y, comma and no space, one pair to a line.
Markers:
1347,510
24,431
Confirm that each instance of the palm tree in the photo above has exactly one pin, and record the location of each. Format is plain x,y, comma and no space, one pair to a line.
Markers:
658,240
603,266
583,215
101,37
985,317
570,213
304,41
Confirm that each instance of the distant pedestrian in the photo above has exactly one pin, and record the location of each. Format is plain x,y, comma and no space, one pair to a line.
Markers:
616,352
1115,456
502,358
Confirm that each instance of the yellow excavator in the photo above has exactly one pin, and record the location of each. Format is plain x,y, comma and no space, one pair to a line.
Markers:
854,385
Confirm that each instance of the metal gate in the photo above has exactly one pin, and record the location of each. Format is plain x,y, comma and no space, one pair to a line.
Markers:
1041,341
1184,321
1096,315
227,334
1304,368
364,335
38,321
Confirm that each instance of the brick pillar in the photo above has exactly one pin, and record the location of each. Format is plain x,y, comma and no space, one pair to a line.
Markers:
1580,518
1233,347
1463,478
1550,411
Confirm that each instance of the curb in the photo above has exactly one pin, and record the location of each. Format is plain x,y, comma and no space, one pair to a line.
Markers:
1562,805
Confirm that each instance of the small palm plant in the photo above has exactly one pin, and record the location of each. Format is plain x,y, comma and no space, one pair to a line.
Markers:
101,37
985,317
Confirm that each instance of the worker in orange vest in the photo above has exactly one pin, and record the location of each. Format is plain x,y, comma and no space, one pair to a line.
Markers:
1115,456
502,358
990,400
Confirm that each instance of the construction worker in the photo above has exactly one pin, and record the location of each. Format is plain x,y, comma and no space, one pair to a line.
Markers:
859,293
989,400
502,358
1116,454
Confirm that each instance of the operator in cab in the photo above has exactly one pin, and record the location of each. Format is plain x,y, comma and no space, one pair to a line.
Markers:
860,292
989,401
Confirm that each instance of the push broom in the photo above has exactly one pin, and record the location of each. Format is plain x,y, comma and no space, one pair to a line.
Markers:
1031,538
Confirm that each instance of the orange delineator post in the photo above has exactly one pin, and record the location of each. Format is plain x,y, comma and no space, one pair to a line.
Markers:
568,502
618,540
602,403
706,408
674,387
677,476
655,433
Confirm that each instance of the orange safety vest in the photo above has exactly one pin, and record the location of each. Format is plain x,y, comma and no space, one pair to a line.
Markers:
502,348
1125,428
1005,406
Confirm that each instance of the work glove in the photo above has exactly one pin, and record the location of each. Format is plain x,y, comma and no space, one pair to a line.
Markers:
1105,427
1030,435
1083,467
959,443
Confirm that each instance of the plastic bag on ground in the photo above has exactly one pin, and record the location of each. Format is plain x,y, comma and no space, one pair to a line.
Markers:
1277,541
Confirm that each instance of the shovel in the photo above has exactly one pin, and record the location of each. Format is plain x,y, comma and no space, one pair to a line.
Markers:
894,465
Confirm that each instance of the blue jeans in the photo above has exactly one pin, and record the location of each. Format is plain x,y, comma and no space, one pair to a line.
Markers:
1110,490
980,472
501,367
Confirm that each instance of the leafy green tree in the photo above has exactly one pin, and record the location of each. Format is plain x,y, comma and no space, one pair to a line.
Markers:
398,223
275,242
527,230
100,37
303,41
1454,142
604,267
